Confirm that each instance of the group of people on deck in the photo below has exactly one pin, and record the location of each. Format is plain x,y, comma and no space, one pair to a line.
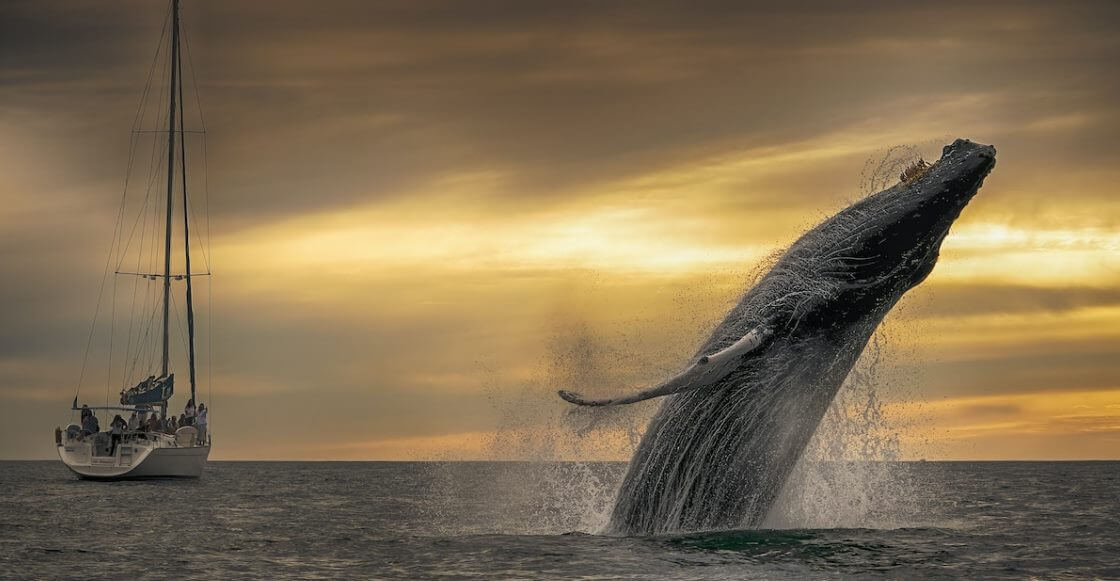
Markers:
143,421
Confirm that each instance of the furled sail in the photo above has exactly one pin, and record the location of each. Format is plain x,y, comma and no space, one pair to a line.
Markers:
153,390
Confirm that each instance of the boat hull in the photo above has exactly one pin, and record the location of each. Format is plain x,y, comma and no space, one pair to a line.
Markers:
145,462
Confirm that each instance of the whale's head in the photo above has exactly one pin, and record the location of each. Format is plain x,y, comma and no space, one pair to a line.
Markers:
891,240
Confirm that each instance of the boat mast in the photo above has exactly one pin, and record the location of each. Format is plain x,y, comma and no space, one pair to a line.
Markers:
186,229
170,180
170,190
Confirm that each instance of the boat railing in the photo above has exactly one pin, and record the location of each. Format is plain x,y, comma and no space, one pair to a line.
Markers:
131,437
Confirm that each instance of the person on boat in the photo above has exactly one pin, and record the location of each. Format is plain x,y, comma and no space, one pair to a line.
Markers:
153,422
133,422
116,430
89,423
201,422
189,413
172,425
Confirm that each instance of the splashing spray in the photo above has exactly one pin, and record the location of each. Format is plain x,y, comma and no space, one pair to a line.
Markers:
849,475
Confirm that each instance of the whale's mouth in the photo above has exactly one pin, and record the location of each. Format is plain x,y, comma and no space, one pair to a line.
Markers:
978,164
969,160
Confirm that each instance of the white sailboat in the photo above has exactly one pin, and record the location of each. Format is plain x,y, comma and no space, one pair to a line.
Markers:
149,448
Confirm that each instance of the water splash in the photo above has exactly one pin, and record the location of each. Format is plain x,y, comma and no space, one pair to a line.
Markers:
849,475
547,471
572,489
883,170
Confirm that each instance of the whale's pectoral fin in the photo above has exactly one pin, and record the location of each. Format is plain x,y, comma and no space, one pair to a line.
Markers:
572,397
708,370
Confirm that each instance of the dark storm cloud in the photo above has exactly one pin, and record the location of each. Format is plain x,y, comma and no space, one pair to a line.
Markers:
53,43
382,96
580,93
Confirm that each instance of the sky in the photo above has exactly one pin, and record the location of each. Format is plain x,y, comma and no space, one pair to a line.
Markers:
426,217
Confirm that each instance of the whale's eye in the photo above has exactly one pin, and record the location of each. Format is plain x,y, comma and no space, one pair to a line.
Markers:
703,360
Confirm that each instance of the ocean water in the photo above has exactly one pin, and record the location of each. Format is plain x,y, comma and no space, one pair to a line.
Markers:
507,520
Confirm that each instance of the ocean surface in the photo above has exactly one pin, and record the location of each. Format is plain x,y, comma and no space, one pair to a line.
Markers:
506,520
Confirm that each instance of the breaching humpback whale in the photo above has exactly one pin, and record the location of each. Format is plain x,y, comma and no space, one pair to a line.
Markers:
720,448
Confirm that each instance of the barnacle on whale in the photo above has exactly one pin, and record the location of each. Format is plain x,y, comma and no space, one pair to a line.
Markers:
914,171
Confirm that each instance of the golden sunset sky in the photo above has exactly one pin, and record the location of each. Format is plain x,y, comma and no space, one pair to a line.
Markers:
428,216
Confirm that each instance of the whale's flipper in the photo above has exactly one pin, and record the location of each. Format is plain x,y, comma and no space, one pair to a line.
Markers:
707,371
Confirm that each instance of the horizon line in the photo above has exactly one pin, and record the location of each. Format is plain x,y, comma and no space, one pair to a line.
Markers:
527,461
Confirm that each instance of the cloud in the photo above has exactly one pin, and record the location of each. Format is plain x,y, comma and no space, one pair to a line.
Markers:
959,299
412,201
1029,426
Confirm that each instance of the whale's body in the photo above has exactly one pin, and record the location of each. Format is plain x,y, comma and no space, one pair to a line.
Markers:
719,450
